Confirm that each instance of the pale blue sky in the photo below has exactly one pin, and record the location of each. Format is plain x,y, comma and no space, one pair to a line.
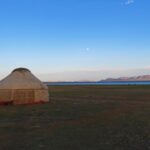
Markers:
57,37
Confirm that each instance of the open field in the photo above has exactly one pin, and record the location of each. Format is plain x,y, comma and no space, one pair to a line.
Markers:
80,118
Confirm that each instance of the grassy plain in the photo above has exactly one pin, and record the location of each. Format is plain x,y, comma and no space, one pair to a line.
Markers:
80,118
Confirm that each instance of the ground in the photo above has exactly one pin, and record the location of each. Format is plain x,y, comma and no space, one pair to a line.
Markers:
80,118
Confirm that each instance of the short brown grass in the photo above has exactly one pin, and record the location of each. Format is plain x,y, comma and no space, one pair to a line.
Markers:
80,118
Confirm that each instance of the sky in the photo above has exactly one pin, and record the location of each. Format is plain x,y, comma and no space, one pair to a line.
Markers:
71,40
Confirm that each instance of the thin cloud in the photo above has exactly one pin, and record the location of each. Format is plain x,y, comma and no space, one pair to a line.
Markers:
128,2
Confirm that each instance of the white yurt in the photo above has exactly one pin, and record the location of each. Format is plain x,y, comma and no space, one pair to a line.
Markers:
22,87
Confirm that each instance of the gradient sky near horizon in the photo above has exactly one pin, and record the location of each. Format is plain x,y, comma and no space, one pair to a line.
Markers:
67,39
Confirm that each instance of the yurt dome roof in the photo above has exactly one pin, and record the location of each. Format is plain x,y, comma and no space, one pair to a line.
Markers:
21,70
21,78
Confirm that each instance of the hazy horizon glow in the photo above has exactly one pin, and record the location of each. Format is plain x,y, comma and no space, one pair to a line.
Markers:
75,40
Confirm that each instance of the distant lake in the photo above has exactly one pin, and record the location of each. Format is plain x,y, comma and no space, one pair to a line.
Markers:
101,83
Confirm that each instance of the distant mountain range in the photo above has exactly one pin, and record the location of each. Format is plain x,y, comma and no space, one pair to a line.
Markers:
134,78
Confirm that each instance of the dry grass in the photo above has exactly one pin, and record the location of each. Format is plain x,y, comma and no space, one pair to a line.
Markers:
80,118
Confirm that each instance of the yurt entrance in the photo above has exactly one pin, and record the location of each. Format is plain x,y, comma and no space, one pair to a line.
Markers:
23,96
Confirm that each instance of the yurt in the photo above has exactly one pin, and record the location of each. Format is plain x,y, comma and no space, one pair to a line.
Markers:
22,87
